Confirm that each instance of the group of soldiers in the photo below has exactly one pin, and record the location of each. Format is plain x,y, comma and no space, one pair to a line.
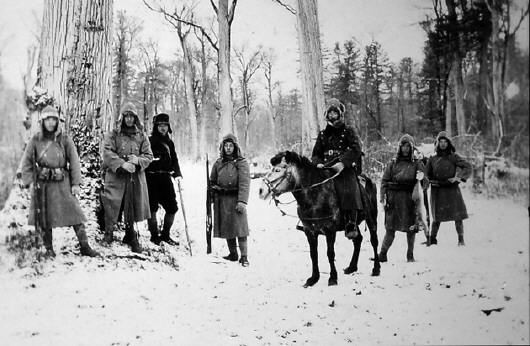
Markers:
138,173
338,146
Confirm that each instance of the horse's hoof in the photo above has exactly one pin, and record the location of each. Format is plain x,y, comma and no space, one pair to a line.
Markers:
310,282
332,282
376,272
350,270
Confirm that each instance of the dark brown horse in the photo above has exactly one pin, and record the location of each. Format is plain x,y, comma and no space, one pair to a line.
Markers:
318,208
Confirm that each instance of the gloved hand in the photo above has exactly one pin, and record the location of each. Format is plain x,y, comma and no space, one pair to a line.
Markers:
338,167
129,167
241,207
419,175
76,190
133,159
454,180
320,166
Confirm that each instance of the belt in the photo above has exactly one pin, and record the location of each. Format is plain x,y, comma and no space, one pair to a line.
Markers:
332,152
158,172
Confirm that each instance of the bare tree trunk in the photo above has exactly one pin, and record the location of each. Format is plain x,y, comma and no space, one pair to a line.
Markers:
190,96
226,120
75,60
311,70
449,112
457,80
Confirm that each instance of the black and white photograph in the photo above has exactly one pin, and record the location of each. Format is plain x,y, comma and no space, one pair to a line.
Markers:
264,172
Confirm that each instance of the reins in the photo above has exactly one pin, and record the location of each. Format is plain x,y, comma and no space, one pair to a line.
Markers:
288,175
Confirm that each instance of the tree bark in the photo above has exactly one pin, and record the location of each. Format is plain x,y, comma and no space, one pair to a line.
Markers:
311,70
75,61
226,120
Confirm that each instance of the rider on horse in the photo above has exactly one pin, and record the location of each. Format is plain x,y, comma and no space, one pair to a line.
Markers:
338,147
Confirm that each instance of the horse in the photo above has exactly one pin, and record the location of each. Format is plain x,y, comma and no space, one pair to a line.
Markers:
318,208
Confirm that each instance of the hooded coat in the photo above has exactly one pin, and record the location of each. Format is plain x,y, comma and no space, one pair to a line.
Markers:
117,146
397,184
55,150
447,203
340,144
230,177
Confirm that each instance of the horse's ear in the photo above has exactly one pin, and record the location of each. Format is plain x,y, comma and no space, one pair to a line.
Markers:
288,155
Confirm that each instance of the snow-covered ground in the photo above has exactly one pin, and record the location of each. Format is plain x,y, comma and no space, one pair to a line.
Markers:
477,294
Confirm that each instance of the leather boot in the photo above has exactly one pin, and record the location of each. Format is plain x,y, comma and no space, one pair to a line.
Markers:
459,224
411,237
47,241
232,247
244,251
109,233
85,249
152,225
387,242
135,244
166,229
434,233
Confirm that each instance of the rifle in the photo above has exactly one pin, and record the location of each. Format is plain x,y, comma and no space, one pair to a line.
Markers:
39,206
208,209
184,215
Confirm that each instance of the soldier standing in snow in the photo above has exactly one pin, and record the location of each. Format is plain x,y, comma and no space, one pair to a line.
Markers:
161,190
338,147
53,154
447,203
398,182
230,182
126,154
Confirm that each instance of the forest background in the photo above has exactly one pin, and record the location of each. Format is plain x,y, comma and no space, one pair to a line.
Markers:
469,77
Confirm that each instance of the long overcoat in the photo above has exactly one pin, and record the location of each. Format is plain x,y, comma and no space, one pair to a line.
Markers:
447,203
234,177
341,145
61,208
117,146
397,184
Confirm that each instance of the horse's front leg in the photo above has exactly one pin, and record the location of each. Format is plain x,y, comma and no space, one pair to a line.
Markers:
312,239
330,239
357,241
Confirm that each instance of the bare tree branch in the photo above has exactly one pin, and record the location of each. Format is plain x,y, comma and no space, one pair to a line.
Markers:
214,7
175,18
287,7
232,12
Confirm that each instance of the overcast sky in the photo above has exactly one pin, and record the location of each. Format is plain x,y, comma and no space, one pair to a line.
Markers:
257,22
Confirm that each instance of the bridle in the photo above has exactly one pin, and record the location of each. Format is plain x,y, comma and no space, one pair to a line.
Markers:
288,174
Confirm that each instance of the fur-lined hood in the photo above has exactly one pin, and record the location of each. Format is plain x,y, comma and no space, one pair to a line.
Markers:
129,107
443,135
237,150
406,138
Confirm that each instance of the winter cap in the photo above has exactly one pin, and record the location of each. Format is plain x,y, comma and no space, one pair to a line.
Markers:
405,139
443,135
129,107
162,118
335,105
49,111
232,139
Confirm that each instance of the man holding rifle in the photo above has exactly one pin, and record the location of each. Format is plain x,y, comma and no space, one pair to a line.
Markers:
51,164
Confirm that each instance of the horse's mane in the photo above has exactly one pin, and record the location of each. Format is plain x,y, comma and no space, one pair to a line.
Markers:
292,158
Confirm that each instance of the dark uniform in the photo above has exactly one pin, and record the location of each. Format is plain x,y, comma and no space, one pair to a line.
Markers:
446,198
164,166
340,143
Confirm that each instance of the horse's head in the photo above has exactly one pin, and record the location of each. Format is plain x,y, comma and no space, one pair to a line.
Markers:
283,176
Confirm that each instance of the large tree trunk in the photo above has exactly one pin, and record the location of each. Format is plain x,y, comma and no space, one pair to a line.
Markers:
457,80
190,97
311,70
226,121
75,61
